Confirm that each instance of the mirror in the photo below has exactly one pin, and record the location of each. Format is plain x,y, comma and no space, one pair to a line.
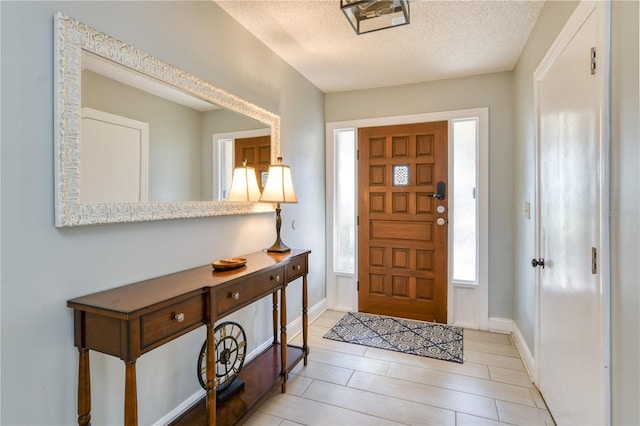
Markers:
169,126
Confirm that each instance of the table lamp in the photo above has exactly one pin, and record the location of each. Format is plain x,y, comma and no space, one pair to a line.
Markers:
244,184
279,189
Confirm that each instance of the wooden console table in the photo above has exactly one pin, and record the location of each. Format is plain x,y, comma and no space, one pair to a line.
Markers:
134,319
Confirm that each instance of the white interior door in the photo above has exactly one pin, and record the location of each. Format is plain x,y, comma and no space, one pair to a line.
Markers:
114,154
572,352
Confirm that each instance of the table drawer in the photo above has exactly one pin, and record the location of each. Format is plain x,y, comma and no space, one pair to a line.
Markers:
296,268
235,296
171,320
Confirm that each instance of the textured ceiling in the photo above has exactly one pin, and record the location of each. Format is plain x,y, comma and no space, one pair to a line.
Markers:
445,39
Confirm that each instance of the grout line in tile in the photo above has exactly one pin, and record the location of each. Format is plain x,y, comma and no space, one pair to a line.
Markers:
362,411
371,392
454,389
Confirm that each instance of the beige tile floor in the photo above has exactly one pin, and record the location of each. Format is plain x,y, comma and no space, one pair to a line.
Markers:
346,384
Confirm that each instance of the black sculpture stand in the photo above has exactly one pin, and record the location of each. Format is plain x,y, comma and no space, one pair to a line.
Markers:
236,386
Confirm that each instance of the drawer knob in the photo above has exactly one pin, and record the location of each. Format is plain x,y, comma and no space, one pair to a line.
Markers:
179,317
235,295
276,278
297,267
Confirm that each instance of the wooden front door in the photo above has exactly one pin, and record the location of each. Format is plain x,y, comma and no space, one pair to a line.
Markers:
257,152
402,232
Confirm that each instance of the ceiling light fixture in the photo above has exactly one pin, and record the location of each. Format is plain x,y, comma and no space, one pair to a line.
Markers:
366,16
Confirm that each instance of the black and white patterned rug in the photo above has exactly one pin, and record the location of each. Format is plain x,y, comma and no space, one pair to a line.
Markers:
433,340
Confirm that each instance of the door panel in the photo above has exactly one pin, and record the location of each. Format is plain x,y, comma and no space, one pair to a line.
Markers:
402,250
571,355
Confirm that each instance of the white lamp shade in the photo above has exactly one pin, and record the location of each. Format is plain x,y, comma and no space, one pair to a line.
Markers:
279,187
244,185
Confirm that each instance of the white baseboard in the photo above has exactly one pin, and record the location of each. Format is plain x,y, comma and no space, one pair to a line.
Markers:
175,414
344,308
293,329
506,325
501,325
525,353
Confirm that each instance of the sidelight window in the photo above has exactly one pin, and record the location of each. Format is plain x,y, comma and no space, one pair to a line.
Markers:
344,208
225,167
465,202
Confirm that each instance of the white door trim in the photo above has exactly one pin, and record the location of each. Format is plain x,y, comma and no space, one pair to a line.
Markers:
582,12
477,294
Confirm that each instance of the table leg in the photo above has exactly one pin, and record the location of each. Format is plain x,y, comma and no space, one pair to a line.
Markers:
130,395
211,374
283,336
305,318
275,316
84,388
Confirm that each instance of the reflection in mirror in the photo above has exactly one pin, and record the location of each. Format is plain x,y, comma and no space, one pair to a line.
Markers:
114,155
179,126
252,146
138,139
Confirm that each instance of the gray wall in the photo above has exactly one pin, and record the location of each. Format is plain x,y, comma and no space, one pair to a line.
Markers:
624,195
490,90
625,214
43,267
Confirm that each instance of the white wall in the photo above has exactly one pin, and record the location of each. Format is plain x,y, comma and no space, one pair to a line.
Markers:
43,267
494,91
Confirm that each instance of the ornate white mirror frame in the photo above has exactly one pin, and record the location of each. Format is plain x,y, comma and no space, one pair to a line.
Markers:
71,38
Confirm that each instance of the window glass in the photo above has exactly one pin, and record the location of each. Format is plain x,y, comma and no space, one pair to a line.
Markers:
400,175
344,209
465,136
225,167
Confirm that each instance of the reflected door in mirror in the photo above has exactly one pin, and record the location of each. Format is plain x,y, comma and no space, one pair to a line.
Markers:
257,152
113,158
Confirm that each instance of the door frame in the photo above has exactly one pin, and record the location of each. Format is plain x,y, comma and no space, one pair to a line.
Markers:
467,304
219,168
584,9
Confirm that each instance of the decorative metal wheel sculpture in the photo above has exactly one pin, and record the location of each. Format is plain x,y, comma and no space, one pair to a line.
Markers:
230,343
